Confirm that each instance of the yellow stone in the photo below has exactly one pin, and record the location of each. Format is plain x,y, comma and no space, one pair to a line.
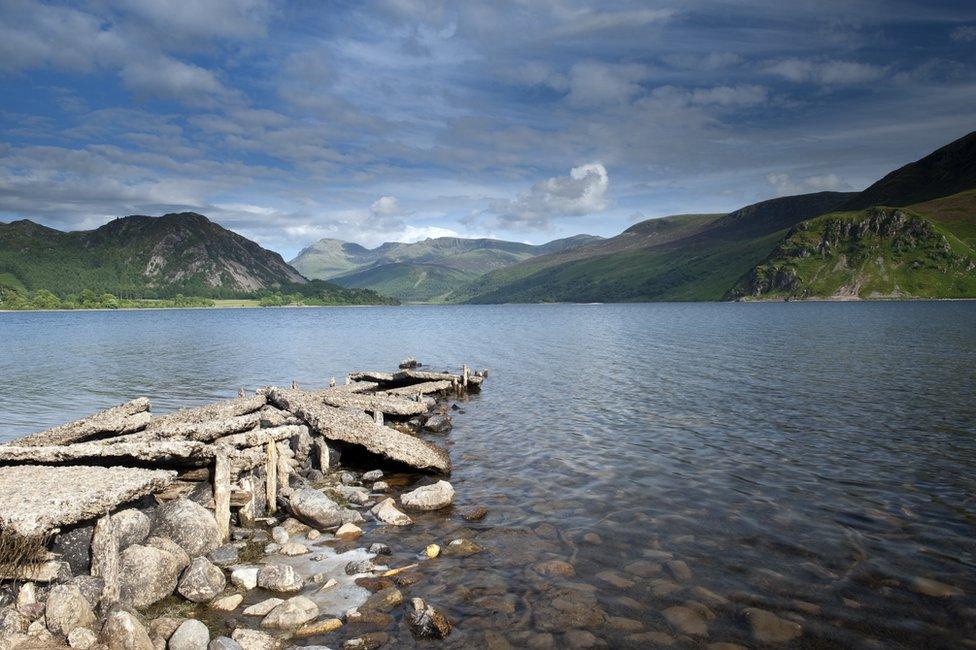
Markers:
432,551
318,627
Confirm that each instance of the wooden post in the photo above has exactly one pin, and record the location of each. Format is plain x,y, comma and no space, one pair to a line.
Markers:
221,491
271,478
378,417
248,512
465,376
105,560
323,454
284,469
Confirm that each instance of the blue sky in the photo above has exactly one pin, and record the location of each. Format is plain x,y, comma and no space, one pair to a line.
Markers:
525,120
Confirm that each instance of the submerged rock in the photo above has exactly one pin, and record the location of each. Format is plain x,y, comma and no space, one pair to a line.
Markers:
146,575
439,423
686,621
429,497
426,622
190,635
768,628
382,601
461,548
280,578
474,513
934,588
188,524
318,627
201,581
316,509
369,641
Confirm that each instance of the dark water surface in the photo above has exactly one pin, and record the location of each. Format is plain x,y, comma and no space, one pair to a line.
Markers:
811,460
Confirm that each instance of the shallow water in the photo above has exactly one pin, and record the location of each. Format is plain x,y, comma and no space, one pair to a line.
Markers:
812,460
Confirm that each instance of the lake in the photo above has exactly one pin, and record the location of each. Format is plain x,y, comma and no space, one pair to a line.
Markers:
692,463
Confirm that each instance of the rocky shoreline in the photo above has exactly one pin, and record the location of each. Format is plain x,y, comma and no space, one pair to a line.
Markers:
233,525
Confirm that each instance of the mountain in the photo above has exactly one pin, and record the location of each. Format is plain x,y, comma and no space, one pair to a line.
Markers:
745,252
684,257
147,257
944,172
420,271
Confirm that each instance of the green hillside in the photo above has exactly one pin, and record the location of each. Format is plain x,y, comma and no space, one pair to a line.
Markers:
880,252
685,257
409,282
429,269
144,257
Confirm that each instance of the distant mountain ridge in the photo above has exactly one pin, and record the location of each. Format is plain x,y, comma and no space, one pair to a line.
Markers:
712,257
419,271
147,257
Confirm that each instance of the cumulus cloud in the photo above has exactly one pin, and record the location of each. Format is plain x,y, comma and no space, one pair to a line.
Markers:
830,72
785,185
582,192
385,206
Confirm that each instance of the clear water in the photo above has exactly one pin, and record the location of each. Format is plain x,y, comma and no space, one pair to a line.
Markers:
812,459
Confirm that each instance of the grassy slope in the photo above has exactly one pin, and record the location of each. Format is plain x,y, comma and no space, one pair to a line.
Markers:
956,213
873,253
685,257
409,282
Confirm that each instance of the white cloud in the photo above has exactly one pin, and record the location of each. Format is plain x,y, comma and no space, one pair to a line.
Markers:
385,206
595,84
167,78
582,192
202,18
966,33
420,233
830,72
785,185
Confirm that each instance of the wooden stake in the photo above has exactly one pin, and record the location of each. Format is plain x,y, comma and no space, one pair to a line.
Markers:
221,491
465,376
323,452
271,478
284,469
105,560
248,512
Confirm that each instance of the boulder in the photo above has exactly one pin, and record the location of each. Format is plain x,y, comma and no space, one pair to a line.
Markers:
123,631
81,638
224,643
280,578
146,575
171,547
315,509
429,497
67,609
12,622
163,627
245,577
387,512
74,547
255,640
426,622
439,423
291,614
190,635
188,524
201,581
90,587
131,527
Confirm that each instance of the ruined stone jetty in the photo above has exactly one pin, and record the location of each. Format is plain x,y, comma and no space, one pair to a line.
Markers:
87,504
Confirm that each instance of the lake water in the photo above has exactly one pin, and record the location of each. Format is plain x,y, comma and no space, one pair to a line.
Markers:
813,460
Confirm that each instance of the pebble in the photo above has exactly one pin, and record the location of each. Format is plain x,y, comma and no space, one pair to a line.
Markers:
613,578
363,566
293,548
245,577
432,551
461,548
381,486
679,569
349,531
474,513
318,627
373,475
379,549
347,478
279,535
227,603
581,639
643,568
555,568
262,608
313,535
592,538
